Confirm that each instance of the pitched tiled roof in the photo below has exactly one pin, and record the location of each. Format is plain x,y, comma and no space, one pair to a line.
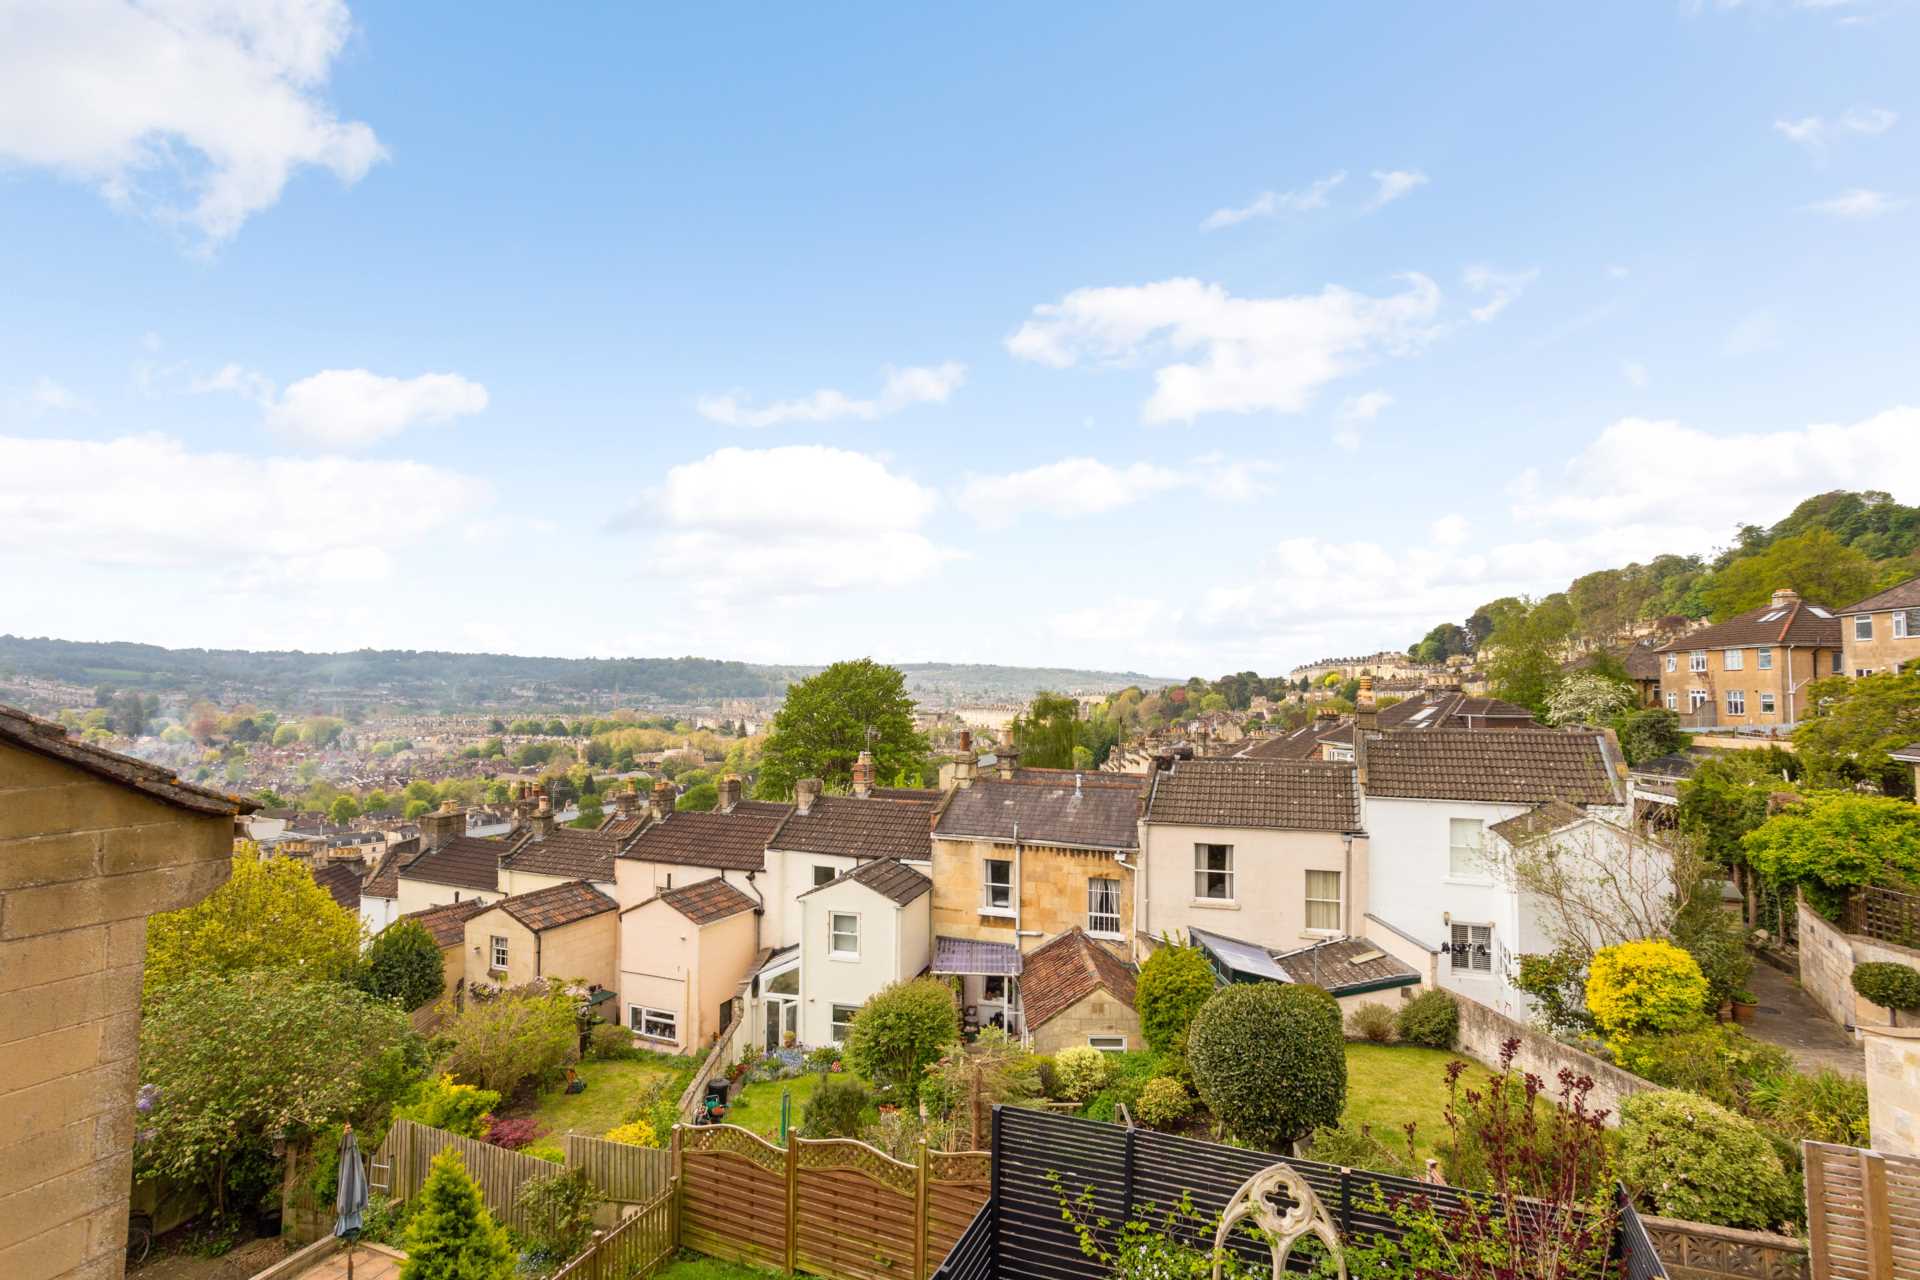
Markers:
46,738
1795,622
557,905
1515,766
447,923
928,794
342,881
1296,795
1095,817
385,880
735,841
1088,777
1903,595
1541,820
465,862
705,901
1065,970
869,828
1909,753
1345,966
1298,745
565,851
624,829
893,880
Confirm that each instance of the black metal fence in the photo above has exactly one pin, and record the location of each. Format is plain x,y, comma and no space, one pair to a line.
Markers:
1039,1156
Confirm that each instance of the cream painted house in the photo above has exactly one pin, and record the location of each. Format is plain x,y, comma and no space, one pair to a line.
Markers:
678,849
859,932
1882,632
1269,851
566,931
459,868
683,954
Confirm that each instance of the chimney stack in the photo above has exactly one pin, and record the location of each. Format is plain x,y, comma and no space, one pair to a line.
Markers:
1009,757
966,742
1785,596
1366,717
964,765
805,792
442,825
626,801
543,819
863,775
729,789
662,804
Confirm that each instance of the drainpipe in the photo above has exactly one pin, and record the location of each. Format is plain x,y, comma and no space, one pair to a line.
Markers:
1016,884
1346,887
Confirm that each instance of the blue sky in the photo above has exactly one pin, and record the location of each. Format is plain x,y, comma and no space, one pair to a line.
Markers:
1103,336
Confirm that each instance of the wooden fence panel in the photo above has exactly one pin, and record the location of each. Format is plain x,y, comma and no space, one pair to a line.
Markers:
409,1150
855,1211
958,1183
733,1195
619,1170
1863,1213
639,1246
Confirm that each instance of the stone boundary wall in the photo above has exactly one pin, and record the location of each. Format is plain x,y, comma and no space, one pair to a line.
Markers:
1827,958
1483,1030
1893,1089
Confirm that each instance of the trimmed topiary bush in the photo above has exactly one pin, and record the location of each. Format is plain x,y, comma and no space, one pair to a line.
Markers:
1371,1021
1079,1072
901,1031
837,1109
451,1235
1890,985
1643,986
1431,1019
1174,982
1162,1103
635,1133
1269,1060
1686,1157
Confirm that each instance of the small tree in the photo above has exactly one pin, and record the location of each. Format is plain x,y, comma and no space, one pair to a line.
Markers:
514,1037
1686,1157
900,1032
559,1213
452,1236
1645,986
1649,734
1269,1061
1587,697
828,719
837,1109
268,915
1832,842
1175,981
404,965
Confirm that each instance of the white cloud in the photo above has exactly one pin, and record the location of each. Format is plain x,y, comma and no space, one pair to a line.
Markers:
1392,184
189,111
1499,288
48,396
1858,203
1808,131
1618,272
1364,407
1249,354
929,384
1814,132
1269,203
1869,120
1635,373
1449,530
351,408
1074,487
788,522
1755,333
150,502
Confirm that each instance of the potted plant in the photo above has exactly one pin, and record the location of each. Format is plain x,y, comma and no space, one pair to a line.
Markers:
1745,1003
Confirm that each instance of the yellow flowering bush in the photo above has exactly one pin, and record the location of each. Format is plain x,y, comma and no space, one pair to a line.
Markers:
635,1133
1648,985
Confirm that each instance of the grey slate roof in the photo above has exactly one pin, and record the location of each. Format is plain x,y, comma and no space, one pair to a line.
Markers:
1235,791
1797,622
1902,595
464,862
895,881
1541,820
565,851
1346,966
1095,816
732,841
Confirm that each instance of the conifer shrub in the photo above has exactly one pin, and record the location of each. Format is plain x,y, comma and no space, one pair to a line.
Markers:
451,1235
1174,983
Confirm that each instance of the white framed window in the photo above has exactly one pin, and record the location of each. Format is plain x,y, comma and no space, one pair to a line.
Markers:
822,874
1696,699
1673,702
1736,702
1323,901
1103,907
1673,662
1736,660
497,950
996,885
1471,948
843,935
1339,755
843,1021
654,1024
1213,872
1697,660
1902,627
1466,845
1863,627
1861,673
1763,659
1766,703
1108,1044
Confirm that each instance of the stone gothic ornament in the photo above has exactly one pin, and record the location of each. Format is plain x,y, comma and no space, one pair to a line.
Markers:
1259,1199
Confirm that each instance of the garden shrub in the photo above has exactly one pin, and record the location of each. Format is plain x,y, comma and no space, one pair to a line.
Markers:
1717,1061
1127,1075
1643,986
1716,940
1080,1071
403,964
1557,982
1430,1019
1174,983
1269,1060
444,1103
1687,1157
1048,1078
1834,841
1890,985
513,1038
558,1211
823,1059
1823,1106
837,1109
1162,1103
1353,1145
1006,1073
514,1132
610,1043
901,1031
451,1235
1372,1021
635,1133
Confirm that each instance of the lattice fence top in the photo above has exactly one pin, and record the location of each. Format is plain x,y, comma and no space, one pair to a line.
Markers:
846,1153
731,1139
960,1166
1863,1213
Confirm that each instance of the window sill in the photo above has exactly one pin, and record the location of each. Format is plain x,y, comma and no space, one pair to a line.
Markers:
845,957
1215,904
1321,935
1107,937
1469,884
997,913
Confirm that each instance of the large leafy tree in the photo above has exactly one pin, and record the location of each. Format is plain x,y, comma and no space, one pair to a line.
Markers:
404,965
1852,725
1835,841
1817,564
830,718
1527,643
268,915
1045,733
230,1060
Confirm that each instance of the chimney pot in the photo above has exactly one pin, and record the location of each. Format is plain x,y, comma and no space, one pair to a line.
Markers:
662,799
805,792
729,789
543,819
863,775
966,741
1786,595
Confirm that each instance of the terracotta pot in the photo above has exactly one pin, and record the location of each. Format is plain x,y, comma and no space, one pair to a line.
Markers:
1743,1013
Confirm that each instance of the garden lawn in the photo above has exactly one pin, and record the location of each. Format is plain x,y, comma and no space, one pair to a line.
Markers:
613,1088
689,1266
757,1107
1390,1084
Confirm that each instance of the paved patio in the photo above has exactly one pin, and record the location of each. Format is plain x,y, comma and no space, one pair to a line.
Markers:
370,1262
1789,1018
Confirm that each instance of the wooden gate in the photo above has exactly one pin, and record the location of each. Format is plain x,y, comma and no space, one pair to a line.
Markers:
1863,1213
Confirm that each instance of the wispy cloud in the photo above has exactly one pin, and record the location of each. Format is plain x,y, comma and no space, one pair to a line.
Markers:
1813,133
1392,184
1499,288
930,384
1858,203
1271,203
48,396
1635,373
1079,487
350,408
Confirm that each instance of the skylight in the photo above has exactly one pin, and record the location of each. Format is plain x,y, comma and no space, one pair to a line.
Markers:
1818,612
1775,616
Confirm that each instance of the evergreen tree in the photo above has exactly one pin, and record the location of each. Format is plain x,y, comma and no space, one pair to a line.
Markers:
404,965
452,1236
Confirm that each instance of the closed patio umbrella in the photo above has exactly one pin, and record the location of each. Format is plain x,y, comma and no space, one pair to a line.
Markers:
351,1201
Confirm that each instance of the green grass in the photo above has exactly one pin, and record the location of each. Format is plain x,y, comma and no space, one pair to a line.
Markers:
613,1089
1389,1085
693,1266
757,1107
